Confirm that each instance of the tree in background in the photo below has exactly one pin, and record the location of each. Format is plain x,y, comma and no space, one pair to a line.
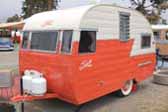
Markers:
152,9
14,18
31,7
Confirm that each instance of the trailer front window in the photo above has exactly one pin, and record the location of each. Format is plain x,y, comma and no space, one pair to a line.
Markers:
25,40
44,41
66,41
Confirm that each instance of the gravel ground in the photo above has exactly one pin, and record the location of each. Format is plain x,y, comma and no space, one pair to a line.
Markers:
149,97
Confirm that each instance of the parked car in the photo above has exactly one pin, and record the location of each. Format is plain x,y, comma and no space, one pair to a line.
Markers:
6,44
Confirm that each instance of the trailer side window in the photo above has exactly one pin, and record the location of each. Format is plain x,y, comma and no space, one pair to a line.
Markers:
124,26
146,41
44,41
66,41
87,42
25,40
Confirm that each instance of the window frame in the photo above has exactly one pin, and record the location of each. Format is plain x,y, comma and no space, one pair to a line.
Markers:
28,41
120,15
43,51
61,41
146,34
88,30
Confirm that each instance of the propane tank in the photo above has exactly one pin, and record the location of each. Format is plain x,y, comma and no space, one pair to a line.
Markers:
27,79
39,86
35,74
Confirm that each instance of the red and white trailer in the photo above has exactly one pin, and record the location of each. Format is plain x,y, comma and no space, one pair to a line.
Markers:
86,52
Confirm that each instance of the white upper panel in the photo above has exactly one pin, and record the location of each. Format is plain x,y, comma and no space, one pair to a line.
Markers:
105,19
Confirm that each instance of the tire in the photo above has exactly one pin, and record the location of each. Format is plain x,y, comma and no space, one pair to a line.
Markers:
127,89
161,77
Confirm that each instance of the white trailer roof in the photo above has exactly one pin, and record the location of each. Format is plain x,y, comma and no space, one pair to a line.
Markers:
60,19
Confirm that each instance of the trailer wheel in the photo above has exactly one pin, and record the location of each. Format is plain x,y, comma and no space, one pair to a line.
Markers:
126,89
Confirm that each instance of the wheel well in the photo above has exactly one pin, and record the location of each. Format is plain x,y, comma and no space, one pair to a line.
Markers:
135,81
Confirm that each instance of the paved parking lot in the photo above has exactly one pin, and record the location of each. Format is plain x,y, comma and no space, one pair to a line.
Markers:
148,98
8,59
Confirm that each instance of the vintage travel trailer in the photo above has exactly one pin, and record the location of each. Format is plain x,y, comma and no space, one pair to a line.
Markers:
83,53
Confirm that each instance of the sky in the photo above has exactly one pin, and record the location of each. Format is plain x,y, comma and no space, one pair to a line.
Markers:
9,8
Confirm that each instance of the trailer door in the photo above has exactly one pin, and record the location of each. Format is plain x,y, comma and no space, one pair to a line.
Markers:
87,42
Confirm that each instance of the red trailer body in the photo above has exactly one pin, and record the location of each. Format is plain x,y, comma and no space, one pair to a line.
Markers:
93,55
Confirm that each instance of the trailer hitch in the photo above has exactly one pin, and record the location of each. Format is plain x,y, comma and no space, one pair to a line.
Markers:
28,98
